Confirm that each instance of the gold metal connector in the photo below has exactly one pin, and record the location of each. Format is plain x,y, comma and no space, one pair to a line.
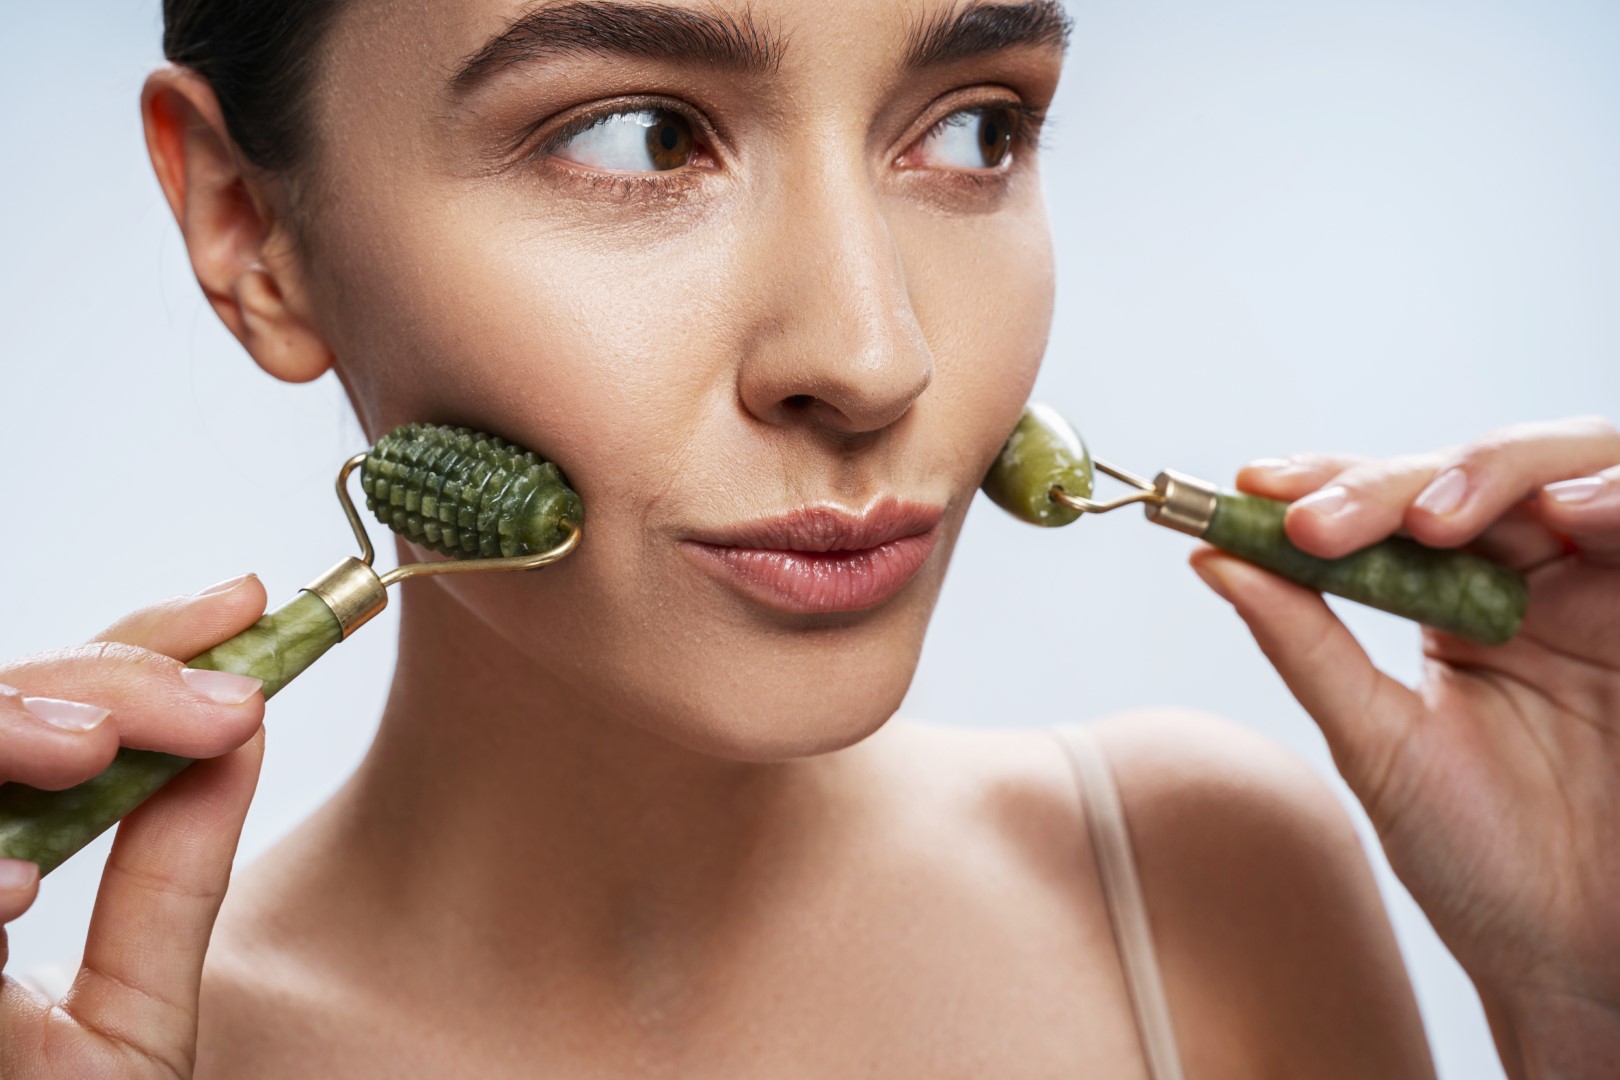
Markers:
1144,493
353,591
1181,502
480,566
1188,505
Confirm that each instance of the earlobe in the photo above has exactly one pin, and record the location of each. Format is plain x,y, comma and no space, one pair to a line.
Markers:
225,210
282,343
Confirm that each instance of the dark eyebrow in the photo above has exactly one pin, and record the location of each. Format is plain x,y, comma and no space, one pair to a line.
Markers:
633,28
982,28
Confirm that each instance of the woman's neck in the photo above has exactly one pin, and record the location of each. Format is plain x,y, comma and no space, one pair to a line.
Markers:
504,827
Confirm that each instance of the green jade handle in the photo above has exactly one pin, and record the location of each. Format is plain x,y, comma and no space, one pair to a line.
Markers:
47,827
1455,591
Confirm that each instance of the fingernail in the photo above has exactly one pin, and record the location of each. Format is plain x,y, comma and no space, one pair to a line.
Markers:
1330,502
1214,580
223,586
67,715
223,687
1280,468
17,874
1570,492
1445,493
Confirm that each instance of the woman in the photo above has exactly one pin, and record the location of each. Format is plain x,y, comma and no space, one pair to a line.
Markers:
730,266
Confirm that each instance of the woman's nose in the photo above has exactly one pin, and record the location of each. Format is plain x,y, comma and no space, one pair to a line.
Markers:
837,345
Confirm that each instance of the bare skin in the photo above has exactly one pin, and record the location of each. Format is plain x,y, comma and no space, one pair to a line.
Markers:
619,819
1495,784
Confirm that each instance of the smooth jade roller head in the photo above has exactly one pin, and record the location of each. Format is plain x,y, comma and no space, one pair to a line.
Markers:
1042,452
458,492
466,494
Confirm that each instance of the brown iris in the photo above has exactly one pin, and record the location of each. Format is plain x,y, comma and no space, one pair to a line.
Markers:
995,135
669,140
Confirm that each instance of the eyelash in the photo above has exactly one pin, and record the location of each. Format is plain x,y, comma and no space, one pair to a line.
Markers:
1028,123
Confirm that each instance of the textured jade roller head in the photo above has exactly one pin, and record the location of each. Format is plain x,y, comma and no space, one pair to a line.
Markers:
467,495
488,504
1044,476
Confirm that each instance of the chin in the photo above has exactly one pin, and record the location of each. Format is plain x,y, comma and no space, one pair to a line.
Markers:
700,667
778,709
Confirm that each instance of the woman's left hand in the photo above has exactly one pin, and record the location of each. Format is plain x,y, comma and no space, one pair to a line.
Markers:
1495,785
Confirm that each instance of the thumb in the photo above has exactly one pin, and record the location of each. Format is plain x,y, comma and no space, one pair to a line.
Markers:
161,889
1364,714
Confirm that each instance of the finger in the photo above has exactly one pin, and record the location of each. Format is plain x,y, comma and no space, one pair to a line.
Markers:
160,893
19,884
186,626
1587,510
1292,477
51,743
1360,506
157,703
1520,539
1479,483
1363,713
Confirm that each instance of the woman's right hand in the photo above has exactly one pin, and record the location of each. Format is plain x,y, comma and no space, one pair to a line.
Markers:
132,1010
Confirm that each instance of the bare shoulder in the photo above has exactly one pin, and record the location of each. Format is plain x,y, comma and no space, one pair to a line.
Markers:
1277,955
1190,780
1204,797
1276,949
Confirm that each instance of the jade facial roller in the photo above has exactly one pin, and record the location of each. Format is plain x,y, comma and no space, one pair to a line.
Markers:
487,504
1044,476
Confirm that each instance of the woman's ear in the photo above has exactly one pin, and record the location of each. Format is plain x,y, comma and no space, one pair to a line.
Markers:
242,254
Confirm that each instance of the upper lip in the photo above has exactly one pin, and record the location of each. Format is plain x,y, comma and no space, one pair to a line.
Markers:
827,528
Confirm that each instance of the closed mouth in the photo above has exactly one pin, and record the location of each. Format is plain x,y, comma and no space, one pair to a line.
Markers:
823,558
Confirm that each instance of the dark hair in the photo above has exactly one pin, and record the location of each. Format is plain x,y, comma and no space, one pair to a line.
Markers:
259,56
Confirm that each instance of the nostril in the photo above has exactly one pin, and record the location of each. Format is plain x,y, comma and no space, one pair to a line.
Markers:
797,402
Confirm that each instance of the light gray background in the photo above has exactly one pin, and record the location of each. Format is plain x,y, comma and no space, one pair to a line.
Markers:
1379,226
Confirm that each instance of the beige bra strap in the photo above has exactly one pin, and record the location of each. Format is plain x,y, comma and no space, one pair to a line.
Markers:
1122,890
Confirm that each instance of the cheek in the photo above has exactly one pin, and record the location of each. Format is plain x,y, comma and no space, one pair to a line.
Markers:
601,353
982,289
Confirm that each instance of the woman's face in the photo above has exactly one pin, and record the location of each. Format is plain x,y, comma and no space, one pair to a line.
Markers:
722,262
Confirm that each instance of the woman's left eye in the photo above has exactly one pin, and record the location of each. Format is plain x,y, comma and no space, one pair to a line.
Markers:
637,140
977,138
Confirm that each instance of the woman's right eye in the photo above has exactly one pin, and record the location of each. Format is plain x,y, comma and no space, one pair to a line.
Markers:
634,141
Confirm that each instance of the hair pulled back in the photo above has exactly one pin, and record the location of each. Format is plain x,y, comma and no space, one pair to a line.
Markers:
259,56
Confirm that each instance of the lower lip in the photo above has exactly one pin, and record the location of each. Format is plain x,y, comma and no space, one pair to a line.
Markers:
815,582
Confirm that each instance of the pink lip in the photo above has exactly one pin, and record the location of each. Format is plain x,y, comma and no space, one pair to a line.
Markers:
822,559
